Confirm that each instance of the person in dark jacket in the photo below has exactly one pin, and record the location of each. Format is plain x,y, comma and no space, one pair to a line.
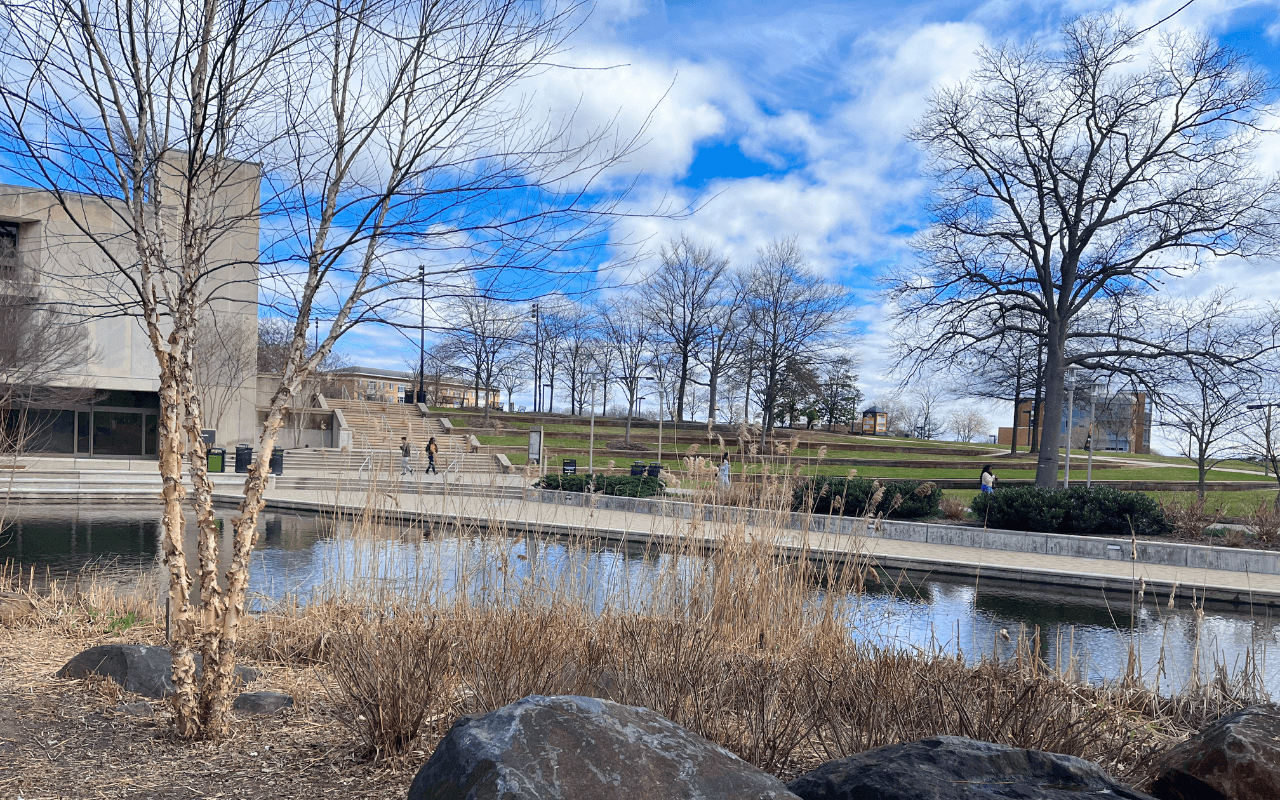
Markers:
432,448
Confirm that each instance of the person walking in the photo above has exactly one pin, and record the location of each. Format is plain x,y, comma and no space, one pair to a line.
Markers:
406,450
432,448
988,479
725,470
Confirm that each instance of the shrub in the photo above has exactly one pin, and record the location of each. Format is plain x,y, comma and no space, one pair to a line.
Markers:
851,496
620,485
1102,511
953,508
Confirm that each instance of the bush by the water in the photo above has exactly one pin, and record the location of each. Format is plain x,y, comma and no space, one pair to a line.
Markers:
851,496
1100,511
620,485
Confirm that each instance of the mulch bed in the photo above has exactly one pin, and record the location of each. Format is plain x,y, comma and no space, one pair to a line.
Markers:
67,739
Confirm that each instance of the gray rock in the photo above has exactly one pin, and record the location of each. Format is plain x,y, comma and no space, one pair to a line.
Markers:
955,768
1235,758
135,668
261,702
575,748
139,709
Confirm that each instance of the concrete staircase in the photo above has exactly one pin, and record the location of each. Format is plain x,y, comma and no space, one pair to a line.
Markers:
376,429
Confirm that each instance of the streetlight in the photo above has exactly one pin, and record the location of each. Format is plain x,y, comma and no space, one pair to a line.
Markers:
1071,407
537,364
421,396
1266,421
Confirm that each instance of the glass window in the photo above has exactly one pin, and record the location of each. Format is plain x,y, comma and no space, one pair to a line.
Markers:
83,433
117,433
42,430
152,438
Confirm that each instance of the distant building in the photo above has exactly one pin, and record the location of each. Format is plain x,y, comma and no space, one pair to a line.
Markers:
389,386
1121,423
873,423
109,406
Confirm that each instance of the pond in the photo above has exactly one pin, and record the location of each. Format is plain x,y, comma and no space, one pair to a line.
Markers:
299,554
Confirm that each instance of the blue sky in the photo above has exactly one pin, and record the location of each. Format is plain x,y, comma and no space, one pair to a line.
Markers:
789,119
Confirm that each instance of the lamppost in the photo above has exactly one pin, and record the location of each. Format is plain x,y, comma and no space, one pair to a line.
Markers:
591,443
421,396
1268,456
537,364
1071,407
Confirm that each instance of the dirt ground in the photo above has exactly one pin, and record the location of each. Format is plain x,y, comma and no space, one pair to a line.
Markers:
63,739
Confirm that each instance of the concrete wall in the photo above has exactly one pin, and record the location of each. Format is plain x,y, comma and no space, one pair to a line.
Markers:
75,255
1095,547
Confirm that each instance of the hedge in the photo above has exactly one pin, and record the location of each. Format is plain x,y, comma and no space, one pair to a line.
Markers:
620,485
850,496
1101,511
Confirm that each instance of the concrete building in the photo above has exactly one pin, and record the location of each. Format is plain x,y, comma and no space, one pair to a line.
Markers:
1121,423
57,261
389,386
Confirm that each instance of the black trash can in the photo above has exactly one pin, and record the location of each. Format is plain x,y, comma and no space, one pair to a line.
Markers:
637,469
277,461
569,466
216,459
654,468
244,457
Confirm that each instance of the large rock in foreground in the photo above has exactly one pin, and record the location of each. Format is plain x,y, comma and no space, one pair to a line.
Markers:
954,768
1235,758
135,668
576,748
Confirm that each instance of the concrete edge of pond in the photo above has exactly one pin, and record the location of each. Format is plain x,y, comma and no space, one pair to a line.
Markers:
950,550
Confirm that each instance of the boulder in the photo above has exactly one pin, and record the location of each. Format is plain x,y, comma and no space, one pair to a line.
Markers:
1235,758
261,702
14,607
135,668
955,768
571,748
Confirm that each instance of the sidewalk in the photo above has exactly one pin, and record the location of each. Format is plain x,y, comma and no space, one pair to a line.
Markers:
1240,588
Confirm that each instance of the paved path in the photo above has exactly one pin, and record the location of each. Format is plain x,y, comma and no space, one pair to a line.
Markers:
1216,585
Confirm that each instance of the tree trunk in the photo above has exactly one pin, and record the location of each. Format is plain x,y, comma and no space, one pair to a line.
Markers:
712,383
1054,391
181,615
684,378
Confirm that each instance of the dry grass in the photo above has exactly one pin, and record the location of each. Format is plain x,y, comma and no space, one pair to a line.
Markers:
747,643
1190,519
953,508
1264,523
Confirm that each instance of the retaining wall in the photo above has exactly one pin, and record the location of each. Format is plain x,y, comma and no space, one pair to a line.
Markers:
1172,554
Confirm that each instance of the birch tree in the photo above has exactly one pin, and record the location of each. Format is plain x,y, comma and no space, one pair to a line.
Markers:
360,138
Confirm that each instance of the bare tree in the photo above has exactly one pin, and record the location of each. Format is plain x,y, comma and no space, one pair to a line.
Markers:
626,335
1065,178
723,344
1203,402
484,331
968,424
791,312
679,298
380,127
225,360
1261,436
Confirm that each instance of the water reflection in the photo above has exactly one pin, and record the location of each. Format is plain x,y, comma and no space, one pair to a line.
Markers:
300,555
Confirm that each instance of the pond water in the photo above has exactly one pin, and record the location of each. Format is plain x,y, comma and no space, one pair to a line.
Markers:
299,554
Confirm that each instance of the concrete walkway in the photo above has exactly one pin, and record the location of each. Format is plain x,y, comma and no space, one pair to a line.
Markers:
1240,588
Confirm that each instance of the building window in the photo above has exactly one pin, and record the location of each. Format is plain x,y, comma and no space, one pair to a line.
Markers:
8,247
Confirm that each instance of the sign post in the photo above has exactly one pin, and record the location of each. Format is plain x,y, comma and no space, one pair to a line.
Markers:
535,445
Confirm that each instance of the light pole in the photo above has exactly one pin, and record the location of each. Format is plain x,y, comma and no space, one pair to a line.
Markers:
591,443
1088,441
537,365
421,396
1071,407
1267,457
